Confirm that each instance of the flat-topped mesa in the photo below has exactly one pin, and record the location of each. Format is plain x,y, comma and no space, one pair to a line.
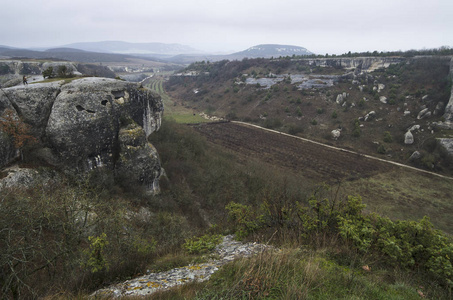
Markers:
91,123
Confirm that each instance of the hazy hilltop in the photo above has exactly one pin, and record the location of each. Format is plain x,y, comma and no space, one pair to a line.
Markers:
111,51
134,48
272,50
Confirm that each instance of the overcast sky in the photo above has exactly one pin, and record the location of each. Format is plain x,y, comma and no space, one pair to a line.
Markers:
321,26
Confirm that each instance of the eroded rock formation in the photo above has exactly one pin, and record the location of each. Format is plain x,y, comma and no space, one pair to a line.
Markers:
89,123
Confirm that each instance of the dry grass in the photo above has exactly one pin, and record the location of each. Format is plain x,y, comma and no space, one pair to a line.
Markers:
404,194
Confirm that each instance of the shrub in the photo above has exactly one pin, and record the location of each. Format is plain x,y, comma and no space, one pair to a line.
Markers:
381,149
334,114
299,112
48,73
356,131
13,126
273,123
244,218
202,244
388,137
95,256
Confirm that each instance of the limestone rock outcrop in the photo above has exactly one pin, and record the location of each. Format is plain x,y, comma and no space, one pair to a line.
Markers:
448,113
408,138
447,143
89,123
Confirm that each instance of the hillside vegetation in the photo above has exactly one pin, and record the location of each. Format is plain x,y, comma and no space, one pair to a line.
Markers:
67,239
372,108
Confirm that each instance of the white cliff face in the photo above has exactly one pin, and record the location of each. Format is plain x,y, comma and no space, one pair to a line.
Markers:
448,115
152,119
366,64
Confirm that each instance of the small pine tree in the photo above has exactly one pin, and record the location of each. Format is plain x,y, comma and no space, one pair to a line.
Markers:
388,137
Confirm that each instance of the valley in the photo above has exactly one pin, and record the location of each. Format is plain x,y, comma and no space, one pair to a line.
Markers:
315,156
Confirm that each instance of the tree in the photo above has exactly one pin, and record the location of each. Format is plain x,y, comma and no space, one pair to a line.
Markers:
48,73
388,137
62,71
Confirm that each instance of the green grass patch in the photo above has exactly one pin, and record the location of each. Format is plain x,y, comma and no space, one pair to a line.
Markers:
402,194
296,274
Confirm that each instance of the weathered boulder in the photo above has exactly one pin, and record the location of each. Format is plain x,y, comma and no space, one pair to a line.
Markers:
340,99
88,124
438,110
336,133
415,156
414,127
408,138
424,113
25,178
369,116
33,103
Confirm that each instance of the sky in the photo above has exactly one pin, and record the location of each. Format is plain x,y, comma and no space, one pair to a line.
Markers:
321,26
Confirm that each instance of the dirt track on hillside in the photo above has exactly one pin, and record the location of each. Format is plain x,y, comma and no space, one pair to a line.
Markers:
307,159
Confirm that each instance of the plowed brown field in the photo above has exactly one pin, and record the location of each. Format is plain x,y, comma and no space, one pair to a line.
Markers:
308,159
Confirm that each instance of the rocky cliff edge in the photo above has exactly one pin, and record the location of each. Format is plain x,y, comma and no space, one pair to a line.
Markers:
86,124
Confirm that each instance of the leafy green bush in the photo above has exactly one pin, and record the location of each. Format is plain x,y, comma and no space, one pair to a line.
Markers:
202,244
95,258
381,149
388,137
356,131
334,114
244,218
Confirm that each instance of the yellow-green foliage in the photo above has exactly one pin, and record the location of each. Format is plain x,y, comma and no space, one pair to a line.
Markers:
202,244
244,217
95,257
407,244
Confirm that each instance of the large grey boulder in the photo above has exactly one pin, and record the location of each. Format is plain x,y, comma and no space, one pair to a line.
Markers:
88,114
88,124
33,103
336,133
408,138
424,113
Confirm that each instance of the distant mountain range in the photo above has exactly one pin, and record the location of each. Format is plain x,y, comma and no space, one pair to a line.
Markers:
134,48
114,51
